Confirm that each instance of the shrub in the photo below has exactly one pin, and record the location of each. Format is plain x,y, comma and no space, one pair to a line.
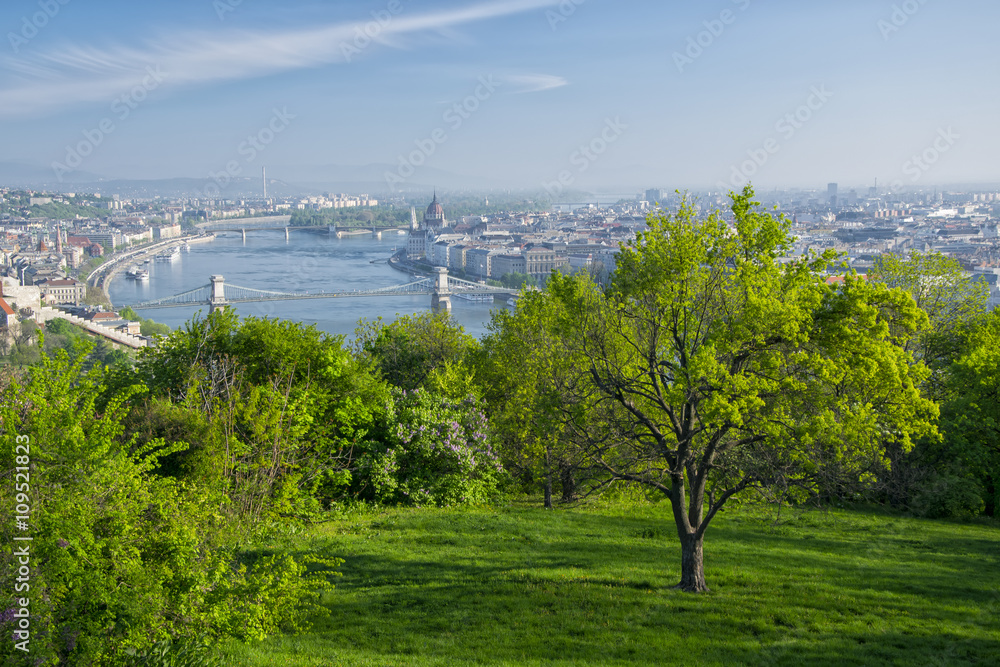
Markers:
947,494
437,452
121,558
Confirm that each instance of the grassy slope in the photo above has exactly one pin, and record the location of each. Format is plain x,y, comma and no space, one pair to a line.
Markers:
521,586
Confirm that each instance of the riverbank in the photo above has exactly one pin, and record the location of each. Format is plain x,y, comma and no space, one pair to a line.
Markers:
399,262
102,276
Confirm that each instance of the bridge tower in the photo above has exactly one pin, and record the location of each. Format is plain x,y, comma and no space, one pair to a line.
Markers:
441,298
217,301
244,235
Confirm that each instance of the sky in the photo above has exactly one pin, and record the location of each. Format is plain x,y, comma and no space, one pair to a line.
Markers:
536,94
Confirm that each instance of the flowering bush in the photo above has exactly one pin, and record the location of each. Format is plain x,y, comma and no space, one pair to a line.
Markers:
436,452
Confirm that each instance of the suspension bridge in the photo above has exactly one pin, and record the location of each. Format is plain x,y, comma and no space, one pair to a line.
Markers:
217,294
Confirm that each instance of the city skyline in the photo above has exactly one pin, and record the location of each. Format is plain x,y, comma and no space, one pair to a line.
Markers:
527,94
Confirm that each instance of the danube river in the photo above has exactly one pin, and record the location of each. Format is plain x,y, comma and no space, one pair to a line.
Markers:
308,262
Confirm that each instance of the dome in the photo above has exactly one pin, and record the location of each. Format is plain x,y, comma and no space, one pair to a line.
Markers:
435,210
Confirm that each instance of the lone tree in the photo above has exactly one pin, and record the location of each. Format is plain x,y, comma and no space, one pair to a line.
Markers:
716,367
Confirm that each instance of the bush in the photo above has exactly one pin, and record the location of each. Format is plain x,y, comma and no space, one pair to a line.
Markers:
947,494
437,452
121,558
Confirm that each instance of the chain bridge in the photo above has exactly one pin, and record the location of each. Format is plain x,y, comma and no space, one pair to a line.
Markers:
217,294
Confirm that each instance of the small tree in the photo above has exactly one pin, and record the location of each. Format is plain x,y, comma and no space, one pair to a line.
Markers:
409,351
954,302
717,368
525,386
941,288
967,462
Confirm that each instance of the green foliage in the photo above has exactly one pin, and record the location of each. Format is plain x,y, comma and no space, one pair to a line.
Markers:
517,280
710,366
57,210
776,370
283,407
275,594
170,653
944,493
954,476
437,453
122,558
60,334
968,459
23,350
284,421
458,205
410,350
147,327
377,216
527,374
942,289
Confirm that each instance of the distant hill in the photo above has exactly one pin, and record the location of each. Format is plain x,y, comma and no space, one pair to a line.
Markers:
287,181
21,174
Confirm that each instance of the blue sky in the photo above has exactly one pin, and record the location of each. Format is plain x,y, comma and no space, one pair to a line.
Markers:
182,85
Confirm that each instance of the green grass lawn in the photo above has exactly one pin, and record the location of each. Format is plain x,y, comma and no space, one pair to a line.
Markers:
591,586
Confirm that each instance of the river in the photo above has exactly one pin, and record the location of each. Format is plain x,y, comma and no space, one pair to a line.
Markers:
307,262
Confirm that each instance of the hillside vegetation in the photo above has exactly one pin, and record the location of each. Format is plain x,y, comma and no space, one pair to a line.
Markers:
257,488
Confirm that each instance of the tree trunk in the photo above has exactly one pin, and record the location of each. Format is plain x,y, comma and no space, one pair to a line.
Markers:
992,498
692,564
568,481
548,480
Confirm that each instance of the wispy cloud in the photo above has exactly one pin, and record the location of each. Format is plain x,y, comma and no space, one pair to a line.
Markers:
90,74
533,83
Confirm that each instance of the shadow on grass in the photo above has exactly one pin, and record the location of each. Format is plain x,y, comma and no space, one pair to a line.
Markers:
531,587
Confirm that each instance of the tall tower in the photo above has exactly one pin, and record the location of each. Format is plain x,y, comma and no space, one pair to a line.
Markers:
831,193
263,178
414,225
